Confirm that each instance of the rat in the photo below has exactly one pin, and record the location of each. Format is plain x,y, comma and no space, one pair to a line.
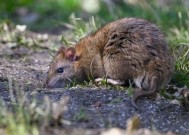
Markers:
127,49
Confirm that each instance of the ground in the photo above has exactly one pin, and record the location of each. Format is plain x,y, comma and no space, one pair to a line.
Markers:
89,107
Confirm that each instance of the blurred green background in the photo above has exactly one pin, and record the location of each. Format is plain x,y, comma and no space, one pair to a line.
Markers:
46,14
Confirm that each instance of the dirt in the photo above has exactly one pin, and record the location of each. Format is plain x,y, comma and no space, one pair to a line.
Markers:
89,107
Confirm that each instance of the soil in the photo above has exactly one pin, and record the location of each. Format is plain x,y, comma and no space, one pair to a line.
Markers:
89,107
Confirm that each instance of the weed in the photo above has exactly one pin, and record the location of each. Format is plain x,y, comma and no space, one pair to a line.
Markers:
81,116
181,74
24,117
115,101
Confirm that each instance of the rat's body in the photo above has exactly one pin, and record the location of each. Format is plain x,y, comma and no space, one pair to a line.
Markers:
126,49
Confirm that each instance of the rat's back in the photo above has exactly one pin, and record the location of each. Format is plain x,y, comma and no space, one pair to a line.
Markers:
137,50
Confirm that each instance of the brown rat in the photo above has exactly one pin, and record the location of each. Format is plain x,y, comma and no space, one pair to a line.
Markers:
126,49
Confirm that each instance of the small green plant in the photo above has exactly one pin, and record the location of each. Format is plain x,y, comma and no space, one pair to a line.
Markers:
82,28
81,116
72,84
179,41
130,90
181,74
104,82
115,101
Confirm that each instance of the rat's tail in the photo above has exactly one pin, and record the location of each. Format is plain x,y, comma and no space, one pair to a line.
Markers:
142,93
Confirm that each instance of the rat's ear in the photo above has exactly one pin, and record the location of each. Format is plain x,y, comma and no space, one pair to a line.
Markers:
62,49
70,53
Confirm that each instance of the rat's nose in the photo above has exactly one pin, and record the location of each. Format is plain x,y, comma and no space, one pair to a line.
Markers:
53,83
50,83
47,85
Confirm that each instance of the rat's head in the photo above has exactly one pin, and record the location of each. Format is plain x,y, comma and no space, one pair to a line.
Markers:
61,72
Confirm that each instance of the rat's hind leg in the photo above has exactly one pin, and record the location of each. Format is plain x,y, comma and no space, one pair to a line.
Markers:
148,92
110,81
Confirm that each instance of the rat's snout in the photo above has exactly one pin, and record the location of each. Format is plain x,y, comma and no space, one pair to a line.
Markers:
47,83
53,82
58,84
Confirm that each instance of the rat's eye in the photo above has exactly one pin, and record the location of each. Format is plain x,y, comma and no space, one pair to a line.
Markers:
60,70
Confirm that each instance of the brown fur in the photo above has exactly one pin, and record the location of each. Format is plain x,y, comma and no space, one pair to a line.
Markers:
126,49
